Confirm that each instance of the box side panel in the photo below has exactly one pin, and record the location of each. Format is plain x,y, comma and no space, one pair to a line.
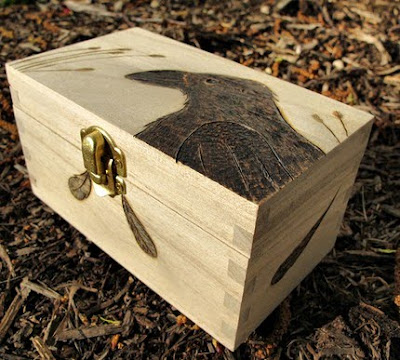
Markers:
296,229
200,276
215,209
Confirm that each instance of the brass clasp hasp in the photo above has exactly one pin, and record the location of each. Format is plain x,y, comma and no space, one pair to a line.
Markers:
104,161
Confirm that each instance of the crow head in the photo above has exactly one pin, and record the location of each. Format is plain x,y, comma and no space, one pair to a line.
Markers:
165,78
200,83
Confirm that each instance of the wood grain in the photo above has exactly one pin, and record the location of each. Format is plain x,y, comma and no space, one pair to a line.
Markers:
230,130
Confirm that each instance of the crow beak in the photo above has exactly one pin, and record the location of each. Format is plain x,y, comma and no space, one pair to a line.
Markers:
167,78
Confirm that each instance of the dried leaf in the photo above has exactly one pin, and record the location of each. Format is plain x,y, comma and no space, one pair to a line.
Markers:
6,33
141,235
181,319
11,128
114,341
80,185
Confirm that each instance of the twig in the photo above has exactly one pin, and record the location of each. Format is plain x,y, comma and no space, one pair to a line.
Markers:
12,312
50,328
42,349
4,256
113,300
77,285
390,210
11,357
40,289
397,279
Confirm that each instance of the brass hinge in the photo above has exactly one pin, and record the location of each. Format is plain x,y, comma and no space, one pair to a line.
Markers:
104,161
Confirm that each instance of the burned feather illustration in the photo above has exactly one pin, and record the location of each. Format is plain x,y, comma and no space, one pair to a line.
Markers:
44,62
298,250
318,119
229,130
340,117
80,187
139,231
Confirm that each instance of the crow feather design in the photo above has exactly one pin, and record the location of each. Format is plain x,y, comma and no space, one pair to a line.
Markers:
230,130
298,250
142,237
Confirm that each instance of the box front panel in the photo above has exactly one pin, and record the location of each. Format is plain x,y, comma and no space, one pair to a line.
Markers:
200,276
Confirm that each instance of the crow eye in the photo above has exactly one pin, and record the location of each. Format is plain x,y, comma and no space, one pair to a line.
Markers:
211,81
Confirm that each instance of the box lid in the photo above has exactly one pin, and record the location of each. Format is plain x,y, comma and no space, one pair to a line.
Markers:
242,129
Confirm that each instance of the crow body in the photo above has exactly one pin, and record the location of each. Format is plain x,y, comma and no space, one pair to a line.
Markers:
230,130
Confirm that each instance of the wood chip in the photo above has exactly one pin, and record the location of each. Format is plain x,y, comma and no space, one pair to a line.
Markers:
281,4
44,352
367,15
88,8
127,323
392,79
89,332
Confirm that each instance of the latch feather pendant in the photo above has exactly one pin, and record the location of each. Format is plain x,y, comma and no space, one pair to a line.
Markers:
105,167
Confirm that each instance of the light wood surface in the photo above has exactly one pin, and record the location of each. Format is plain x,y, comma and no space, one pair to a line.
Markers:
132,107
200,200
197,274
225,257
285,220
117,64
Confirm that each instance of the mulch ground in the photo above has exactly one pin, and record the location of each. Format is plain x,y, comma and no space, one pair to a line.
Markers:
61,297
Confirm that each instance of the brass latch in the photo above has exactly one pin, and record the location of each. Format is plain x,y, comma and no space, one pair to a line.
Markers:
104,161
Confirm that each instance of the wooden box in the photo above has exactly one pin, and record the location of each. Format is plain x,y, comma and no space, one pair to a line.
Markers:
235,182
